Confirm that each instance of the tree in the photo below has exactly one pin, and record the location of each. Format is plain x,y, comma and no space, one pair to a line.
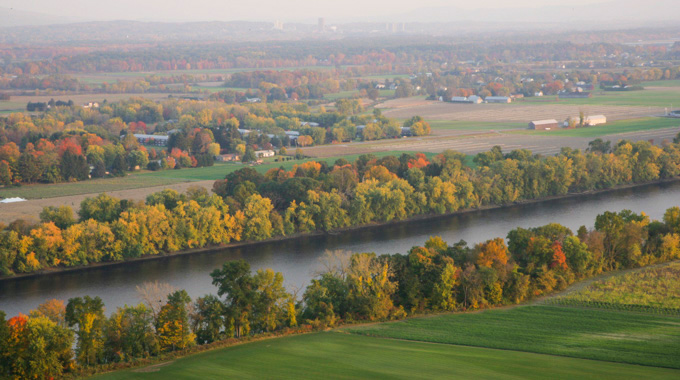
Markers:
172,324
270,300
102,208
208,319
257,224
129,334
61,216
249,155
236,284
88,314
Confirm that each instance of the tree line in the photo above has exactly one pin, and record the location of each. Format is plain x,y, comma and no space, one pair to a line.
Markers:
314,196
352,287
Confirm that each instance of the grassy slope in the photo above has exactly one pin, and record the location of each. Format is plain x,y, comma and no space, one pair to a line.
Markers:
577,332
341,356
620,126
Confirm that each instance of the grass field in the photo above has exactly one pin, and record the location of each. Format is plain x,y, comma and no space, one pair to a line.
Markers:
620,126
658,97
662,83
616,336
655,290
333,355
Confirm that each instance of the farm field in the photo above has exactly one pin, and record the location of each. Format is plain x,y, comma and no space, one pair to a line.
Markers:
654,289
620,126
617,336
665,95
519,112
473,126
18,103
98,78
333,355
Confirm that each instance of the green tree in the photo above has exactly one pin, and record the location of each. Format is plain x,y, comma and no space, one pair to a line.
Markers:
235,283
88,315
172,323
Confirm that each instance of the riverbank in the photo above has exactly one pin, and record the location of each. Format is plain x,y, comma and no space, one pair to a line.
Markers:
302,237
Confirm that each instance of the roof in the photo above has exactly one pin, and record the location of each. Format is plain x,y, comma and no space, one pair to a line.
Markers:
543,122
156,137
596,117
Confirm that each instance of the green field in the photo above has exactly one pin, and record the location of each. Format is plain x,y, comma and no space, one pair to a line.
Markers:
332,355
652,98
616,336
662,83
621,126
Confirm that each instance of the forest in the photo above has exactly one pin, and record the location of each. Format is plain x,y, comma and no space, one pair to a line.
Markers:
70,143
352,288
317,197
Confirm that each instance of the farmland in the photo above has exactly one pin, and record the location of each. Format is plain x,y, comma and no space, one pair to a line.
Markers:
654,289
513,112
517,341
133,186
341,356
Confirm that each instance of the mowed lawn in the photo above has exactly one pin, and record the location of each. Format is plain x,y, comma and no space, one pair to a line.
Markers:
333,355
620,126
616,336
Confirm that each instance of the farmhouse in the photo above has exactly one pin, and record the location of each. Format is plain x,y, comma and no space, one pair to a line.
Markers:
498,99
544,125
227,157
264,153
158,140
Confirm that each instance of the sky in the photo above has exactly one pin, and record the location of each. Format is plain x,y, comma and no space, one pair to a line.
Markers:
257,10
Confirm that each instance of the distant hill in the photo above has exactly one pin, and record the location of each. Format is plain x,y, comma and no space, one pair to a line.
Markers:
10,17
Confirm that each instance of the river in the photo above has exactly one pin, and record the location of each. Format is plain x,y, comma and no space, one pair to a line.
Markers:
298,259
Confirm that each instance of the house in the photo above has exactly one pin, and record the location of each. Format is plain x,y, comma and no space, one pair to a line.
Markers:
498,99
406,131
379,86
309,124
253,100
544,125
227,157
264,153
538,93
244,132
459,99
91,105
158,140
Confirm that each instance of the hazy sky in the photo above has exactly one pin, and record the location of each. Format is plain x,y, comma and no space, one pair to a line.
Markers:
225,10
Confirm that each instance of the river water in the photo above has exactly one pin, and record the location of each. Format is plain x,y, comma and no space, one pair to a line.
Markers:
298,259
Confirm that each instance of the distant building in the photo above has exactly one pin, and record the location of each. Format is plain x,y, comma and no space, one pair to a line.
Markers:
227,157
91,105
473,99
595,120
575,95
544,125
244,132
264,153
538,93
406,131
158,140
309,124
498,99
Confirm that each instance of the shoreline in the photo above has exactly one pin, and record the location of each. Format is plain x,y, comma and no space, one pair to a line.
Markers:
375,225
